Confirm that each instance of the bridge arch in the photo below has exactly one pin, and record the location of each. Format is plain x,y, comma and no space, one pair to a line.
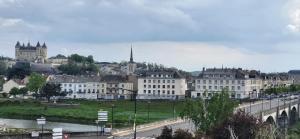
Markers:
293,115
283,119
270,120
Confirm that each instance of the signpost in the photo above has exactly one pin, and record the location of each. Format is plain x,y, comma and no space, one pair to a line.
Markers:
57,133
41,121
102,117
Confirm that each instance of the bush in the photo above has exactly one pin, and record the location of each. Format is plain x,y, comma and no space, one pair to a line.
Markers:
182,134
166,133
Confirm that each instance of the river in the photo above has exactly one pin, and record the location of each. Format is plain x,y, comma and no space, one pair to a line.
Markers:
32,124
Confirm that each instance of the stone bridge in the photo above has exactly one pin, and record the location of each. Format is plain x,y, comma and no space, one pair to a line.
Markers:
283,115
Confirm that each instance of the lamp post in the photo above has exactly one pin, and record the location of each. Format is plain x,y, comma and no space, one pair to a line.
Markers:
173,109
112,116
134,95
148,110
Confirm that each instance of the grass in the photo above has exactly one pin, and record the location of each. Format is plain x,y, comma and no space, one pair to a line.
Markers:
86,112
294,131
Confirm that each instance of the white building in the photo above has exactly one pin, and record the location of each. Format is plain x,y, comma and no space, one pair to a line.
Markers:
161,85
7,86
240,83
93,87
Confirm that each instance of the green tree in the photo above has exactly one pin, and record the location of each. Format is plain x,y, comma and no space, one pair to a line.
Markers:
3,68
14,91
51,90
23,91
206,114
36,82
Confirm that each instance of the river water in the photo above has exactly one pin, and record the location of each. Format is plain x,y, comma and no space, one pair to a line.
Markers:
32,124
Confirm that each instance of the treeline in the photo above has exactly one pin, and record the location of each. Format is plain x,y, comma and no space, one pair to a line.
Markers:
78,64
282,89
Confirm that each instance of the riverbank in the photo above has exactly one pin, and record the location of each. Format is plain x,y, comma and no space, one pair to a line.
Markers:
86,111
294,131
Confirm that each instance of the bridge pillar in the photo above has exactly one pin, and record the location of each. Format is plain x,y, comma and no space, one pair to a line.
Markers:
290,114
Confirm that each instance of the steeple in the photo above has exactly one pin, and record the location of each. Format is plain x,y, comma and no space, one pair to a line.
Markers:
131,55
44,45
18,44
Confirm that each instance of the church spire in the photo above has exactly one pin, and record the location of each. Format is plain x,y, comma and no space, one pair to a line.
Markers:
131,55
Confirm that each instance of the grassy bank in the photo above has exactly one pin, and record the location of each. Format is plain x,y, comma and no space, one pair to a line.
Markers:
294,131
86,112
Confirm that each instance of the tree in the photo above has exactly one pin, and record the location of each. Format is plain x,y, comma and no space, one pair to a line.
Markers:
3,68
166,133
206,114
23,91
14,91
36,82
51,90
20,70
182,134
242,124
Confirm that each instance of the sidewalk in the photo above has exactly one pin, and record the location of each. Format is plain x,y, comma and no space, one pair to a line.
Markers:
146,127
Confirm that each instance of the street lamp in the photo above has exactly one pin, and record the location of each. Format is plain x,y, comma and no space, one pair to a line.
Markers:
148,110
173,109
134,95
112,116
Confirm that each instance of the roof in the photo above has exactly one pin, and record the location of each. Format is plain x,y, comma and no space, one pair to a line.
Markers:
87,78
42,68
160,74
294,72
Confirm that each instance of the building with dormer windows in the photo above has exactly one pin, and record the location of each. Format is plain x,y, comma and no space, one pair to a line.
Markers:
30,53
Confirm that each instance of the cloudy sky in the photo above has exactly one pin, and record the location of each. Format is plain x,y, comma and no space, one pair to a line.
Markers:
188,34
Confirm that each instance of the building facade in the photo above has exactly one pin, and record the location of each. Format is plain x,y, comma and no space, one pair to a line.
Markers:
93,87
161,85
239,83
31,53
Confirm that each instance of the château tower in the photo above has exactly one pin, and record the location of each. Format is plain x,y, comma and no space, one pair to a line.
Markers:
31,53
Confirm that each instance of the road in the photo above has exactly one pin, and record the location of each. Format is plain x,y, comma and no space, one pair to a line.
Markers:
252,108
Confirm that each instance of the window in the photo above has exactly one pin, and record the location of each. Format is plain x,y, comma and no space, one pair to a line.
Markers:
102,90
145,86
149,81
149,86
89,91
209,81
216,82
70,85
173,86
145,81
204,87
93,90
154,86
164,91
233,81
239,87
168,86
102,85
173,81
168,92
84,85
198,86
173,92
227,81
209,87
98,91
204,81
164,86
198,81
232,88
145,91
168,81
79,85
221,82
65,84
158,86
216,87
149,91
154,81
164,81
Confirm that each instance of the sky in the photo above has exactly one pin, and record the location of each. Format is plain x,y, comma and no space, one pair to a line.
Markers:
187,34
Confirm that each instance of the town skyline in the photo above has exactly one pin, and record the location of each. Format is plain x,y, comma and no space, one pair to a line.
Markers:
194,34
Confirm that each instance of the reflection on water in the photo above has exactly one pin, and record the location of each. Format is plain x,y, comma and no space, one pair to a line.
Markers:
49,125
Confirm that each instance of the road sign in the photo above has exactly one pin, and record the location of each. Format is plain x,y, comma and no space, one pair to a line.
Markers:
41,121
57,133
102,116
34,134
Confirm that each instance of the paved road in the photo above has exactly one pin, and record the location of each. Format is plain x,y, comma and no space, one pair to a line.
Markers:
251,108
